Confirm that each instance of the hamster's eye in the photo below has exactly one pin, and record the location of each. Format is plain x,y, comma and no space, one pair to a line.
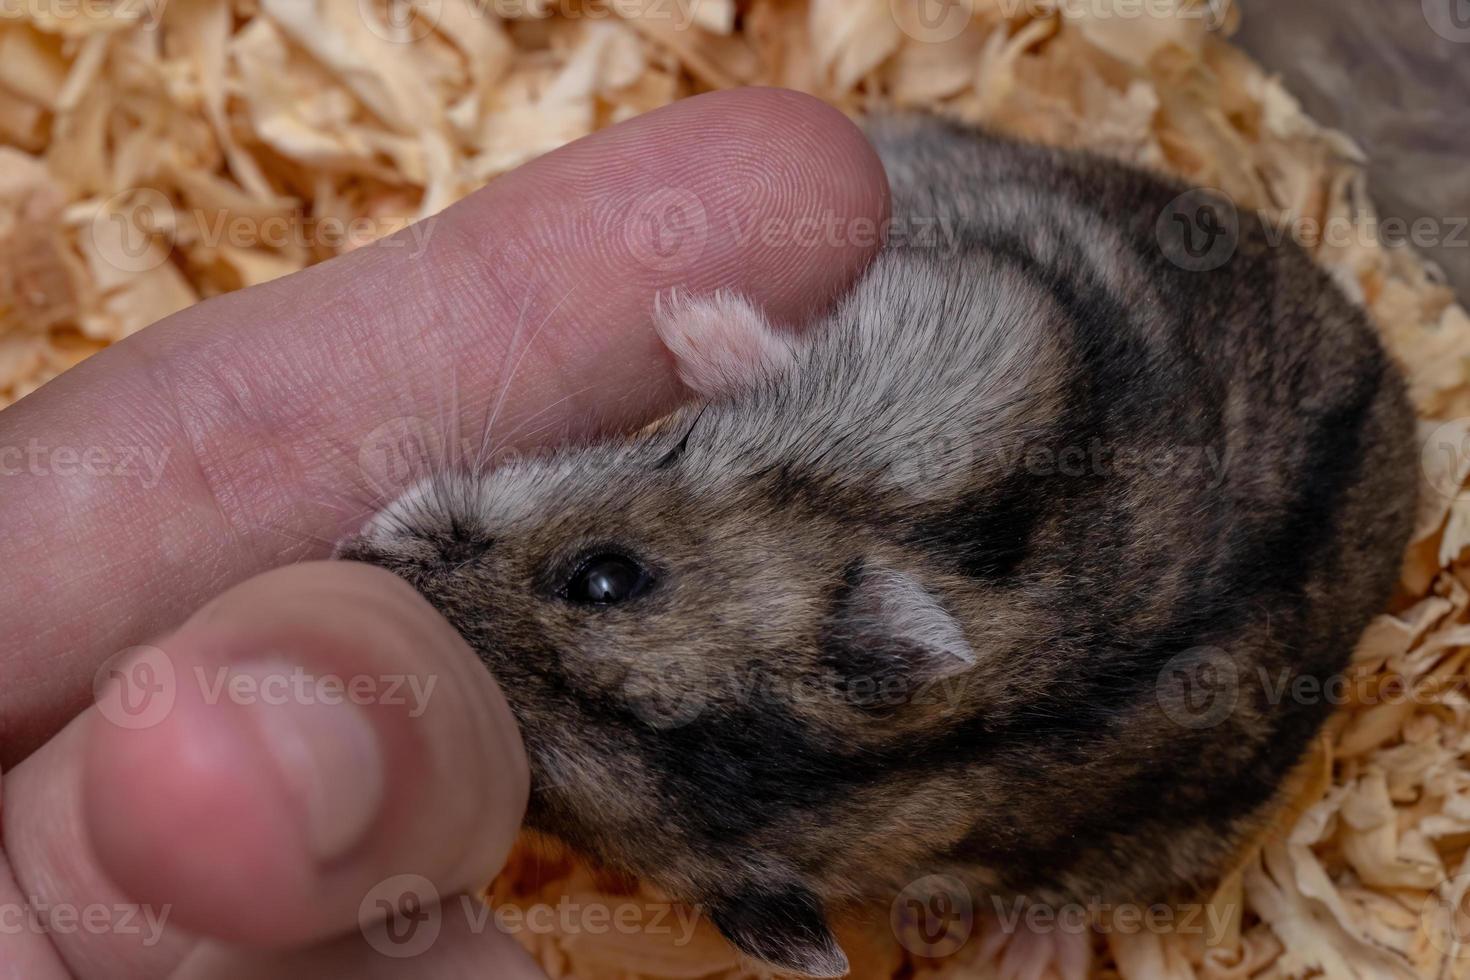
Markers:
602,580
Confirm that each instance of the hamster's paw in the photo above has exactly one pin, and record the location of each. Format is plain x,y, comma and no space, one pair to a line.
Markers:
722,344
1017,951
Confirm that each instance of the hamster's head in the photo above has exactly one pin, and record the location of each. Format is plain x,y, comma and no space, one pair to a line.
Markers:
723,672
669,638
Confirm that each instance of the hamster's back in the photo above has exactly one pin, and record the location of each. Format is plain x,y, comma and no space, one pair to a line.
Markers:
1166,448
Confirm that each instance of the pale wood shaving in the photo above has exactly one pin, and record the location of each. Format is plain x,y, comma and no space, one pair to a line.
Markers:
143,149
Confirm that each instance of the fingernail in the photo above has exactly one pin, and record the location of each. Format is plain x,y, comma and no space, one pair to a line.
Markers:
326,750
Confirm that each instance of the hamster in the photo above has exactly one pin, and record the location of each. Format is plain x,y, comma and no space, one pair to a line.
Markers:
1003,570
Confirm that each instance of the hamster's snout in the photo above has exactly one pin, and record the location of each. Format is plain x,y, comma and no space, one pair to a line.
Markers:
356,547
378,548
432,526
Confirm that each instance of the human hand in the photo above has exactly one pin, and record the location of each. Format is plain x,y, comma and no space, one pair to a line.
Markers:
264,829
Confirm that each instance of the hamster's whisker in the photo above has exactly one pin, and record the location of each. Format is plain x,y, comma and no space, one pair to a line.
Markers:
296,536
520,427
515,366
451,423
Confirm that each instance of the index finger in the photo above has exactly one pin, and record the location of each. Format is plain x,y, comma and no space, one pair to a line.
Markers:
244,420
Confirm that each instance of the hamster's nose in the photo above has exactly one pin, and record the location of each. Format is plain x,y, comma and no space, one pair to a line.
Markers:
354,548
441,548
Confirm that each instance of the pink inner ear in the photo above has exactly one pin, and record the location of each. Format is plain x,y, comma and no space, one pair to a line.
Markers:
722,343
893,610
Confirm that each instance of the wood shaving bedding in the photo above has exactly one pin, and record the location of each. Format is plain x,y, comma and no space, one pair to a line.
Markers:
134,132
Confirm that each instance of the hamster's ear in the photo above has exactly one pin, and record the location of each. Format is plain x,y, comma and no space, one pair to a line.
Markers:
721,343
785,929
890,620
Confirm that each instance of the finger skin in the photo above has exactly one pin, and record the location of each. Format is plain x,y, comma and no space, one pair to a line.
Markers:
192,811
241,433
55,869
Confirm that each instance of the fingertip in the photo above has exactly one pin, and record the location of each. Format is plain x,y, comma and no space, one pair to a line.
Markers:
797,196
325,729
817,134
825,209
766,192
183,814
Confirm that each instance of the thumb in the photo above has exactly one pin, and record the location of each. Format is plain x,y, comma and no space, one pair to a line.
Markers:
325,731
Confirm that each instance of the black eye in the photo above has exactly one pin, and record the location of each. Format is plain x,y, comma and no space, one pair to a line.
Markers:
605,579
